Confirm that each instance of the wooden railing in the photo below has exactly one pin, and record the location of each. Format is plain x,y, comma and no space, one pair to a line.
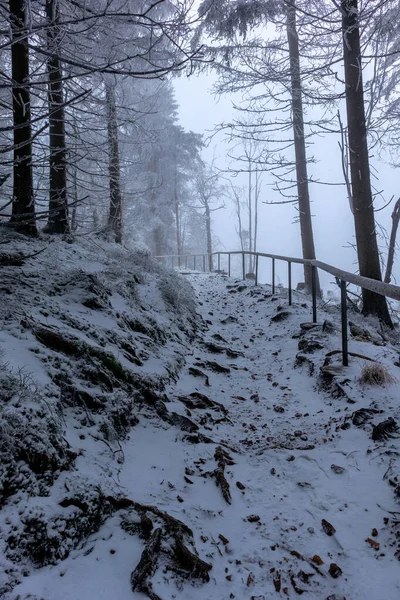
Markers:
343,277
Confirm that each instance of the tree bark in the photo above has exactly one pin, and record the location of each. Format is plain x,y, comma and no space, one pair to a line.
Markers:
114,224
392,241
58,202
208,230
250,213
307,238
179,248
364,220
23,206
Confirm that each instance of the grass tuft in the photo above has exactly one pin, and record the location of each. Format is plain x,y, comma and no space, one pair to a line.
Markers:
376,374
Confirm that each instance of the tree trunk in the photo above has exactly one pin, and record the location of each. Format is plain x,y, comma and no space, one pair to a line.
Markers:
307,238
367,247
58,204
159,241
392,241
250,218
74,215
177,214
256,198
74,222
23,207
208,230
114,224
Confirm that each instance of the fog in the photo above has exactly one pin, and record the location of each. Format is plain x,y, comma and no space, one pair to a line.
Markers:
279,233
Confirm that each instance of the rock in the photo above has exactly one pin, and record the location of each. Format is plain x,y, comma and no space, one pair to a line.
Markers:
328,327
309,346
214,348
317,560
228,320
214,366
240,485
309,326
362,415
357,331
302,359
384,430
338,470
281,316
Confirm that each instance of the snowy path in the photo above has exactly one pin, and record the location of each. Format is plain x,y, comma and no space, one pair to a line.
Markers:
293,467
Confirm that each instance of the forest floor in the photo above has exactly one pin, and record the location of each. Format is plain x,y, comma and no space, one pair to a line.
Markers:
262,469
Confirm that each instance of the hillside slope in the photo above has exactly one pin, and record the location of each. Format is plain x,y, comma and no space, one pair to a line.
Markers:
89,333
224,457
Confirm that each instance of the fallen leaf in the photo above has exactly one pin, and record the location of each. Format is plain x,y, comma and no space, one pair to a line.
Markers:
328,527
334,570
375,545
253,518
277,581
250,579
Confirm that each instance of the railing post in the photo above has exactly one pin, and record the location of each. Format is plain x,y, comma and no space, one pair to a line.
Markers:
290,282
314,292
243,266
194,262
343,306
219,262
229,265
204,263
210,263
256,279
185,261
273,276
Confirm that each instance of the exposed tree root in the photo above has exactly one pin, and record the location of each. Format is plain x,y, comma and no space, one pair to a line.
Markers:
190,562
195,400
170,538
332,352
11,260
223,459
147,566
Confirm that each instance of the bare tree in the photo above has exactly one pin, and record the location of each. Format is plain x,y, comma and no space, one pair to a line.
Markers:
306,230
58,204
364,220
114,224
249,64
208,190
23,207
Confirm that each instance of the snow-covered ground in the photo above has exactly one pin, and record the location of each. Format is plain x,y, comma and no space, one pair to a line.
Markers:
261,455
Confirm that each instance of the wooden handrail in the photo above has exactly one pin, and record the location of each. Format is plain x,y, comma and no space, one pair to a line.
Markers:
373,285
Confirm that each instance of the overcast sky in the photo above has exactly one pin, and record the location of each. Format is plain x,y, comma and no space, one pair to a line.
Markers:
333,223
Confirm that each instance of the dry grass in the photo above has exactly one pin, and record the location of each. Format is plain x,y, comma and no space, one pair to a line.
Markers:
376,374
